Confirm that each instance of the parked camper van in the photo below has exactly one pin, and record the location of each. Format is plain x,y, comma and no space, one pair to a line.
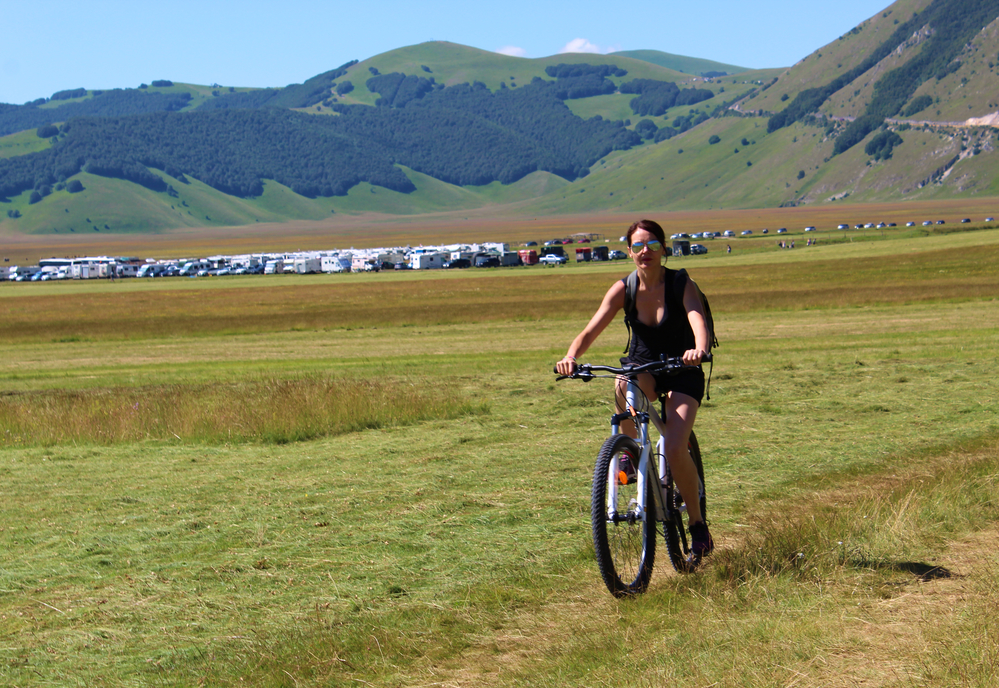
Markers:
308,266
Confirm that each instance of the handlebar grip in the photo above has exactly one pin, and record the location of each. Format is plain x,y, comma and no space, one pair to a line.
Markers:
707,357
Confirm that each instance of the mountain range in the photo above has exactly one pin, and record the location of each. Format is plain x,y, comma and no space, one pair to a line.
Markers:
904,106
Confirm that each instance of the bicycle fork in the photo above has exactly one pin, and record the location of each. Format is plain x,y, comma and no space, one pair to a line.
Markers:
661,510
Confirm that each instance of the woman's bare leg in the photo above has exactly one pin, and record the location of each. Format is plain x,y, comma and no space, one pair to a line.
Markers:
647,384
681,410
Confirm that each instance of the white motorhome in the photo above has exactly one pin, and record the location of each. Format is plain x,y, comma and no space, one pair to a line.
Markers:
191,267
308,266
125,269
150,270
86,271
274,267
427,261
334,264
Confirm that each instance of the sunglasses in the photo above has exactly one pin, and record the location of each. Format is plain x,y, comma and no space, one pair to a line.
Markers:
653,245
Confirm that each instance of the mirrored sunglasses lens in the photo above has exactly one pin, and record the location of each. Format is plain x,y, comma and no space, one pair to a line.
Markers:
639,245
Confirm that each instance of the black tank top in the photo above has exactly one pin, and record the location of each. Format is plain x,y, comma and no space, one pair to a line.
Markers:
673,335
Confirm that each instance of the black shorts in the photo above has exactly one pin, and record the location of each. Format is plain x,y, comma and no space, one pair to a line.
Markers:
689,382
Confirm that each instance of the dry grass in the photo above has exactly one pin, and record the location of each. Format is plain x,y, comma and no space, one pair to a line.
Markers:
269,410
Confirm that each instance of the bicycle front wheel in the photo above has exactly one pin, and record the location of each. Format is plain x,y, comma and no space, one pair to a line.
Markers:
624,536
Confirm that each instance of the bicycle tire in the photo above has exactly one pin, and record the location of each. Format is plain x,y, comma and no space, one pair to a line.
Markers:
674,528
625,548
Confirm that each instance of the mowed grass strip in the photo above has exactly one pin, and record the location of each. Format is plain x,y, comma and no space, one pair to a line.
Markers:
275,410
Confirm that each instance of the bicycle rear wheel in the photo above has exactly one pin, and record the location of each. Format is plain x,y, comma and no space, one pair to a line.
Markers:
624,539
675,525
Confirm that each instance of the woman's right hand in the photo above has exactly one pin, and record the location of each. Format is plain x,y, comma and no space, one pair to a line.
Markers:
567,366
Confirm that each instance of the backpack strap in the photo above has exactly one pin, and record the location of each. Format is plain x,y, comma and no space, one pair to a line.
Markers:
708,321
630,311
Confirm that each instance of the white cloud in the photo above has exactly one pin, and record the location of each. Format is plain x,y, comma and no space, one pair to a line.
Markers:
581,45
512,51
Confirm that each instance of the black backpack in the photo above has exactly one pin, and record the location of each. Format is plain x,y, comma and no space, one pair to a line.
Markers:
631,312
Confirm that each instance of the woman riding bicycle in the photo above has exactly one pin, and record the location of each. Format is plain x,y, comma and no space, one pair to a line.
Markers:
668,319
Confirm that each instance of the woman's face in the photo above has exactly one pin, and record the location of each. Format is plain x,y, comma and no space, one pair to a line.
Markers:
646,257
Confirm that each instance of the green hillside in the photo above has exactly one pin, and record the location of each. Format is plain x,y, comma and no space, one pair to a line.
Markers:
681,63
904,106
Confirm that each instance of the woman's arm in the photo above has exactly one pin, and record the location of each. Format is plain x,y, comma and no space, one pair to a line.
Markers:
695,316
612,303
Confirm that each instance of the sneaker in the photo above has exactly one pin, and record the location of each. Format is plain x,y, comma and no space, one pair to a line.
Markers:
701,543
625,470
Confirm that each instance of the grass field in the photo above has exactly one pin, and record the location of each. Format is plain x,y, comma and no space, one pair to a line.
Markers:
156,529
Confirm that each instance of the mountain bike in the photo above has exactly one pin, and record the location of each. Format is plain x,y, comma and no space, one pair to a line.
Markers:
628,499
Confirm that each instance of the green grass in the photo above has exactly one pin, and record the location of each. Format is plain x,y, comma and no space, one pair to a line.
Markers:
681,63
850,446
22,143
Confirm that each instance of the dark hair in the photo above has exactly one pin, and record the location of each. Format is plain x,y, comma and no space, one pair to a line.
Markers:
650,226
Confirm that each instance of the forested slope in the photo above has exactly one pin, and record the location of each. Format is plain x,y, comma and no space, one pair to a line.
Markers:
462,135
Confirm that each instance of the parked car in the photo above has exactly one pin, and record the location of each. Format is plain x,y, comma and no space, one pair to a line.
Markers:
403,266
746,232
809,229
698,249
728,233
842,226
617,255
910,224
766,231
940,222
927,223
551,259
488,262
966,220
531,243
990,219
458,263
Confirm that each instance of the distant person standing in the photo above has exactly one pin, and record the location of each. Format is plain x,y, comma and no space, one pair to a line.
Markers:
728,248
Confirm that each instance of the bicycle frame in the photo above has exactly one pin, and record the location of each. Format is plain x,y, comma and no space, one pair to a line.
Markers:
636,399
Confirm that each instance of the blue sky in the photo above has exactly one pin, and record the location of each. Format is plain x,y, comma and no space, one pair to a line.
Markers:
53,45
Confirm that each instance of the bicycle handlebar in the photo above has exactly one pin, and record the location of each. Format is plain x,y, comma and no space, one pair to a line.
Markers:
670,366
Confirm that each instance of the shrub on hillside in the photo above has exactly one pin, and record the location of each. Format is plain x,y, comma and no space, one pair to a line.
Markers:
71,93
880,147
917,105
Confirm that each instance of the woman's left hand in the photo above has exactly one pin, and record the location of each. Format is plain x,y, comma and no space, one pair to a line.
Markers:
692,357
